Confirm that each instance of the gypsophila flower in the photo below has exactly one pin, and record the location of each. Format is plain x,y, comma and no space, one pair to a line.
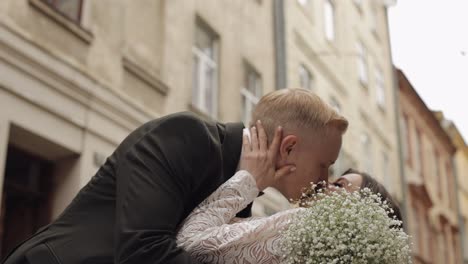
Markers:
345,227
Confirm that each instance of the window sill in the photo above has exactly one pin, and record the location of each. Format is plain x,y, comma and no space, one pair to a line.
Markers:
358,7
364,85
381,108
305,9
62,20
153,81
375,33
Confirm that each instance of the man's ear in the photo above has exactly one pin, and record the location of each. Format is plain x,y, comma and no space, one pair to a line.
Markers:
287,146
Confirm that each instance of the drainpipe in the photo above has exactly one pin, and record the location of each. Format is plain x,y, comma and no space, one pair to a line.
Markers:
396,88
279,42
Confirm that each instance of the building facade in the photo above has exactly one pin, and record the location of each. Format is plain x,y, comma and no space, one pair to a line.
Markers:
77,76
461,172
432,206
340,50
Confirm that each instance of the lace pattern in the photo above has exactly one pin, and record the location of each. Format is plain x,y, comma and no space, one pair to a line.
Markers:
212,233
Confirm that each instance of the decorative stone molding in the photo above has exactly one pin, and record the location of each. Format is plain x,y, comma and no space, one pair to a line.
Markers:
133,67
63,21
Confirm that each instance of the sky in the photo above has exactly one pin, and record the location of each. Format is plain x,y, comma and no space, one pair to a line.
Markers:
429,41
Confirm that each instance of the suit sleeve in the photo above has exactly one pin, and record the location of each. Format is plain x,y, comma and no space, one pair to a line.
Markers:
152,190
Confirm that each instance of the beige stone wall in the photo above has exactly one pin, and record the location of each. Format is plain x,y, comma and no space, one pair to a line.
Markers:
77,89
334,67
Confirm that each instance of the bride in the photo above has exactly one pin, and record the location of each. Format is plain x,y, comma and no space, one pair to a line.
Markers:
212,233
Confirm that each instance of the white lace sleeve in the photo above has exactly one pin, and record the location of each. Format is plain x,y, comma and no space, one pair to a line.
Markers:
210,236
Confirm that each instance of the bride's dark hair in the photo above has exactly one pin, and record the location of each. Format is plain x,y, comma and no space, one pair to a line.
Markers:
378,188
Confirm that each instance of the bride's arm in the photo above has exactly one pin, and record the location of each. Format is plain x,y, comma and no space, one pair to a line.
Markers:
208,234
218,209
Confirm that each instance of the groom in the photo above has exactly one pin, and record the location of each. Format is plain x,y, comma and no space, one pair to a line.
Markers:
130,210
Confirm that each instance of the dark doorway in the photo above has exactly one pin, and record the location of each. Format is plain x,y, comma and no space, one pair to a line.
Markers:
26,197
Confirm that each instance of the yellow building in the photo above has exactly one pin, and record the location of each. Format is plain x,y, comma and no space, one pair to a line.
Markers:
430,181
461,167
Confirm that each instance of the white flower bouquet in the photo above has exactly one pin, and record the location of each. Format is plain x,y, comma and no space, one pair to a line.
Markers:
344,227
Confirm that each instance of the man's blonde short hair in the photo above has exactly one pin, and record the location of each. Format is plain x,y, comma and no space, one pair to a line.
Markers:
297,109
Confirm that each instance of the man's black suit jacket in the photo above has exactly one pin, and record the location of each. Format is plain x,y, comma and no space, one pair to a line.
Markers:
130,210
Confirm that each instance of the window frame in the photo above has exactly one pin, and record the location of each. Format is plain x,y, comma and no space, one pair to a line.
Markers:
363,67
304,73
329,30
248,98
380,94
201,63
53,5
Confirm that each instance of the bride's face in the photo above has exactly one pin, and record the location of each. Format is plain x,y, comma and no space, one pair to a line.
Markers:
350,182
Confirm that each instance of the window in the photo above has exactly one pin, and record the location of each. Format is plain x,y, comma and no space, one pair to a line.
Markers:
451,189
205,71
69,8
386,172
251,93
362,63
418,148
380,88
367,151
406,140
305,77
373,20
437,173
329,13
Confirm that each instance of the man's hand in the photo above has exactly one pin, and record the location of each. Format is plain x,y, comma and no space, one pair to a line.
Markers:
259,159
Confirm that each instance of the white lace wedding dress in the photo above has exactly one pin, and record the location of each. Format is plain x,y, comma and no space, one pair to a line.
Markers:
212,233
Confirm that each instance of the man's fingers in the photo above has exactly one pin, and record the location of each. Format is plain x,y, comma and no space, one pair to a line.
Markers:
273,150
246,143
254,138
283,171
262,137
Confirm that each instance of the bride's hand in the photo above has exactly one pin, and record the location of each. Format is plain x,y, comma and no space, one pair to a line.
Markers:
259,159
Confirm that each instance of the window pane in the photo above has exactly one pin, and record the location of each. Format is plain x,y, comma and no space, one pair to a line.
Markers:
204,42
404,137
417,144
70,8
329,14
373,19
205,72
362,63
386,173
209,90
305,77
251,92
253,82
196,81
380,89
